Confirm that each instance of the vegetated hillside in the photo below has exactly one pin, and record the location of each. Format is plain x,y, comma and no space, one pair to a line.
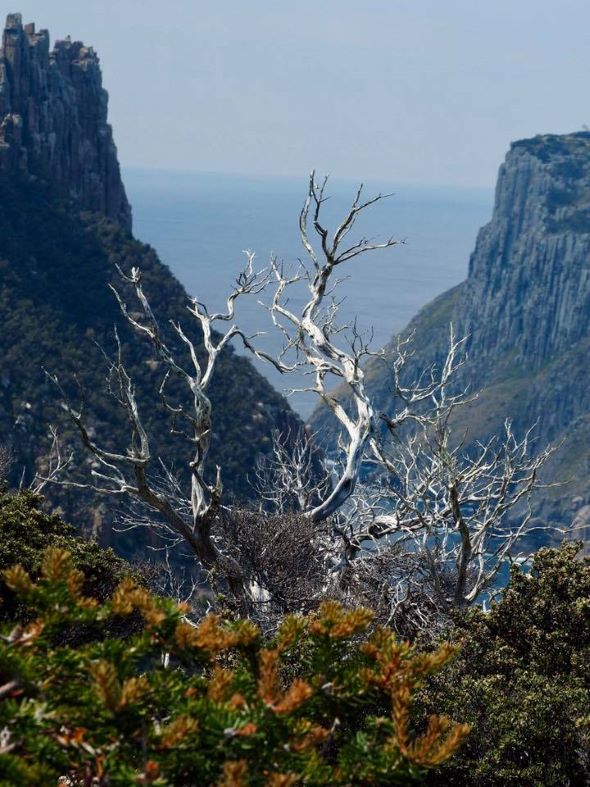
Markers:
55,307
58,250
525,308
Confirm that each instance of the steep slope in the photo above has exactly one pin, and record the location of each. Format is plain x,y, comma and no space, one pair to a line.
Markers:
64,223
525,307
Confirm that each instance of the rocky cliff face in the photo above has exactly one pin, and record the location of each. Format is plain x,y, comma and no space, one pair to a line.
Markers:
528,288
525,307
64,226
53,120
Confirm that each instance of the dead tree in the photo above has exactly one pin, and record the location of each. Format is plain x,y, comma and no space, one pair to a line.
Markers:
436,526
291,477
431,490
181,518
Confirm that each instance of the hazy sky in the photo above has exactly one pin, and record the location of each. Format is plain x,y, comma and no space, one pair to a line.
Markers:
425,91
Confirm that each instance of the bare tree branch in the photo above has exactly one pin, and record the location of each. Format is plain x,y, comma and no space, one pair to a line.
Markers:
431,528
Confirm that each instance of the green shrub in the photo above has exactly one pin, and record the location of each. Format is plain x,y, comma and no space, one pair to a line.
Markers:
522,680
26,530
176,703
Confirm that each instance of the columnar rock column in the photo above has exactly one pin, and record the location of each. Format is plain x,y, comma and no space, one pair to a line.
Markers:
53,120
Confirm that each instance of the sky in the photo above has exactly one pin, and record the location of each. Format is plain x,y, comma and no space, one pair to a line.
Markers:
429,92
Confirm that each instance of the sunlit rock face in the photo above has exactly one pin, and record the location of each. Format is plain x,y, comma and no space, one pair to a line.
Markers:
524,309
53,120
528,288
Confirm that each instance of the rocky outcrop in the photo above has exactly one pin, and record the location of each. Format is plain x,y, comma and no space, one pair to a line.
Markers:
53,120
525,308
528,288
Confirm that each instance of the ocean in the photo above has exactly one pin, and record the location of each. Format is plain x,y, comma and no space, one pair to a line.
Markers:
200,224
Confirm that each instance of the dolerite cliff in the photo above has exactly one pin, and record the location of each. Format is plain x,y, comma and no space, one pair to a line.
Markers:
53,120
525,308
527,297
64,224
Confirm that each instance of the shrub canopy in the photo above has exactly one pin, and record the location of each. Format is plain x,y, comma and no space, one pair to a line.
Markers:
180,703
522,680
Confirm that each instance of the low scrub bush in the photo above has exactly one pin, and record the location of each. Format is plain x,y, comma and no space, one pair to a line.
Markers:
522,680
26,531
326,701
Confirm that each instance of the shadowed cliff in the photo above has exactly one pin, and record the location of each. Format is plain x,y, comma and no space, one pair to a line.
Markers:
64,225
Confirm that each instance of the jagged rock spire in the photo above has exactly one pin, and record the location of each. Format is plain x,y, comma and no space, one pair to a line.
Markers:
53,120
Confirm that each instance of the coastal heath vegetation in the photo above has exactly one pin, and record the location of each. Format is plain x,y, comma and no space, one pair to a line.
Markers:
326,700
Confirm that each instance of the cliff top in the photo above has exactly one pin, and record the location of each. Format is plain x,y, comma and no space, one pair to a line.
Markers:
53,120
547,146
